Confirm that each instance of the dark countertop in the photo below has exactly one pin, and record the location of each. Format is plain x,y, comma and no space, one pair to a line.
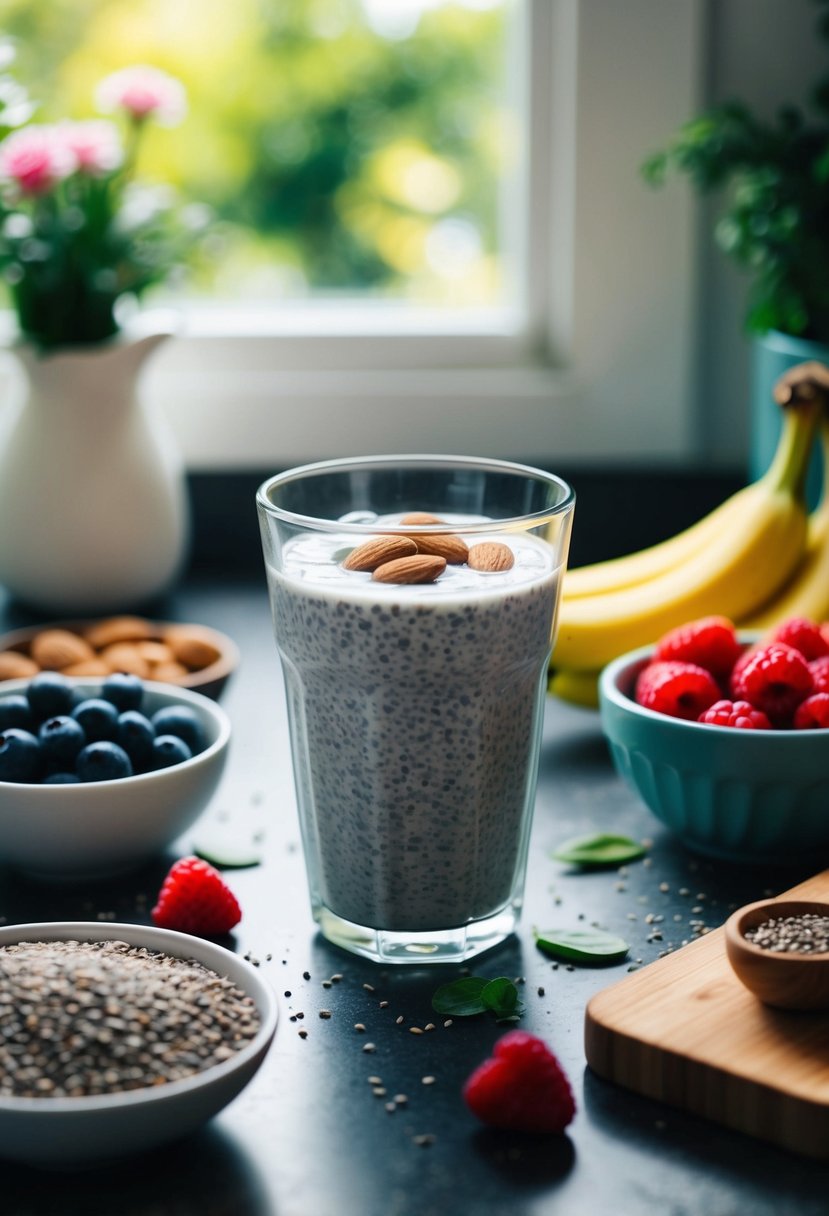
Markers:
307,1137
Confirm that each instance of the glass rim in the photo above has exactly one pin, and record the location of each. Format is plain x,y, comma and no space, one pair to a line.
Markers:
344,463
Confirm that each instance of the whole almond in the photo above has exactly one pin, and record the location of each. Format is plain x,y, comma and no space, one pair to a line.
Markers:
378,550
169,673
16,666
443,545
191,646
88,667
155,652
421,568
54,649
416,518
124,656
491,555
117,629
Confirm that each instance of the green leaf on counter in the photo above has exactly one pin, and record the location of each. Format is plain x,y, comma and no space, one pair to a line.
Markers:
599,850
473,994
581,945
227,854
500,997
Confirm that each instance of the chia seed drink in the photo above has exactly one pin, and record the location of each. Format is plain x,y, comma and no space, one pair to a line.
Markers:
415,715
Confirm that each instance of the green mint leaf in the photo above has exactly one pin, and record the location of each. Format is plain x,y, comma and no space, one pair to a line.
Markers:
461,998
599,850
227,854
473,994
582,945
500,996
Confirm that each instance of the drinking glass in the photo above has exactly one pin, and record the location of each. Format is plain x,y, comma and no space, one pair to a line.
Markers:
415,691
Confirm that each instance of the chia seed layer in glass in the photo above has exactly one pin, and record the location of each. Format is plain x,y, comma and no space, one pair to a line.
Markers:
415,713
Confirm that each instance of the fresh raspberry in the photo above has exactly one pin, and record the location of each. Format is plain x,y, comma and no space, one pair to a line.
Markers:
195,899
735,713
803,635
710,642
813,713
820,674
776,678
521,1087
681,690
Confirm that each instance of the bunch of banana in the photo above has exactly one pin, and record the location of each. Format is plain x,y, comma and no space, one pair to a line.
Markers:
749,550
806,594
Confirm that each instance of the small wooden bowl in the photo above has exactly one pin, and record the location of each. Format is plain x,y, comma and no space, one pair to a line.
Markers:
784,980
209,680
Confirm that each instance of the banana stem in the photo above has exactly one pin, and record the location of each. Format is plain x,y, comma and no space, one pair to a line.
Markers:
788,468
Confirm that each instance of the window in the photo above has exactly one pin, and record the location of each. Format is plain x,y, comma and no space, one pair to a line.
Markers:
523,282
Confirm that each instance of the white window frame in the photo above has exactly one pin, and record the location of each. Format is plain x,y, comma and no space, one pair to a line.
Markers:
597,365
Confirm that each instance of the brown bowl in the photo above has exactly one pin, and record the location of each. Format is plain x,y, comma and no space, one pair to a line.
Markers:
212,656
784,980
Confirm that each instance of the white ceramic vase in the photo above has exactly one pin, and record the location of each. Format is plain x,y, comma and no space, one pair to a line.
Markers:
93,505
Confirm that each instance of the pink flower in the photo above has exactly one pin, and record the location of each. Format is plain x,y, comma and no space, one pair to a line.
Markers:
96,145
35,158
142,91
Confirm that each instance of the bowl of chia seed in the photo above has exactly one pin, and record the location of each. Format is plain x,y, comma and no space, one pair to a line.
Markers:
779,949
117,1038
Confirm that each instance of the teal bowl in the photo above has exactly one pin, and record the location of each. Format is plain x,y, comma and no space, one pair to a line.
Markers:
752,796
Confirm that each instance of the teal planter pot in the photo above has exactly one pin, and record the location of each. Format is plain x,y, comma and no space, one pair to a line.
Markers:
773,354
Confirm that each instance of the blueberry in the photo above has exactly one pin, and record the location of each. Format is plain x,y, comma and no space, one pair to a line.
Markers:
20,755
103,761
50,694
61,738
169,750
184,723
61,779
125,691
135,735
99,719
15,710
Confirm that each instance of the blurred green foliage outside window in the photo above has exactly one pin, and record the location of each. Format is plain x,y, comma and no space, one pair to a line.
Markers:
342,146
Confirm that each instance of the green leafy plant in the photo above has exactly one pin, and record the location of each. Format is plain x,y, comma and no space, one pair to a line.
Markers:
78,232
775,221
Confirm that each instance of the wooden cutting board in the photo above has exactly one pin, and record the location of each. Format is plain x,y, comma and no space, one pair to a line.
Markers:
685,1031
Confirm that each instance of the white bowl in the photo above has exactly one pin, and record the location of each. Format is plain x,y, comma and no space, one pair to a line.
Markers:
69,1132
98,828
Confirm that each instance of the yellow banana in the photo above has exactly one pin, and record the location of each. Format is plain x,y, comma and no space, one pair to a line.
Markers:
739,568
616,573
578,687
807,592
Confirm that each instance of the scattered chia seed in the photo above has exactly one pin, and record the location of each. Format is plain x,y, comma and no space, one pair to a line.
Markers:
448,1022
425,1140
84,1018
325,1013
806,934
399,1020
415,1030
429,1026
306,975
400,1099
379,1091
369,1047
369,987
303,1034
384,1004
540,991
358,1026
427,1080
375,1080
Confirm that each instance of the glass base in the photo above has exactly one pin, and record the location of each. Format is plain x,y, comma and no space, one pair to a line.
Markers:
434,946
